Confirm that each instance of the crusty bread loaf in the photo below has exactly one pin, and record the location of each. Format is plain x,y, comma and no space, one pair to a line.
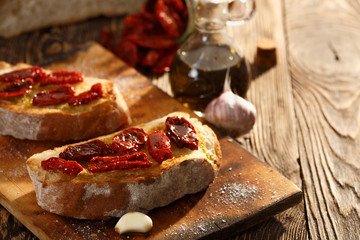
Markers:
20,119
17,16
113,193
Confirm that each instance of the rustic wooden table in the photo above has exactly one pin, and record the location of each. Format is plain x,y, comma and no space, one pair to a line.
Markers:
308,108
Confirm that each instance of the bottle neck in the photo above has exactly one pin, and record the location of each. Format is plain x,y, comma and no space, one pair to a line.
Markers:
211,27
210,15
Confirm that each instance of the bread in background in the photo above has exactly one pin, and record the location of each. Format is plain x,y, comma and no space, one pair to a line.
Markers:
18,16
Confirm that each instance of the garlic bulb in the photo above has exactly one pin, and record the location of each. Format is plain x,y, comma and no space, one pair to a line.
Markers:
232,113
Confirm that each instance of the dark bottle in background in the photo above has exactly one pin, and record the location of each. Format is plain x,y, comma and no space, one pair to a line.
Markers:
198,71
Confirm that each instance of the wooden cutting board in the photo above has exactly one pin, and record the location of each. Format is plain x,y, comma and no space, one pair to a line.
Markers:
245,192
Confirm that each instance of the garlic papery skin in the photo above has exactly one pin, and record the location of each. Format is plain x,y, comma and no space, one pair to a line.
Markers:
232,113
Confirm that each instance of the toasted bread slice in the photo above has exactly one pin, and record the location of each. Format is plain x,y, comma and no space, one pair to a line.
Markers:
62,122
17,16
113,193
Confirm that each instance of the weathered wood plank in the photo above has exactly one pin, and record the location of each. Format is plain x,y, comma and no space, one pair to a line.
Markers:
273,139
11,228
324,60
274,136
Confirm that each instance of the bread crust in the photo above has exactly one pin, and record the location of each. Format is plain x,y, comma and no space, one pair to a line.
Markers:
112,194
102,116
17,16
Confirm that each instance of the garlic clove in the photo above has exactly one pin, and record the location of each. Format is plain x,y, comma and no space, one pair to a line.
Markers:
232,113
134,222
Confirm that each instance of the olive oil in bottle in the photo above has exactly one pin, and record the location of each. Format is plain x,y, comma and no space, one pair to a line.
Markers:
195,83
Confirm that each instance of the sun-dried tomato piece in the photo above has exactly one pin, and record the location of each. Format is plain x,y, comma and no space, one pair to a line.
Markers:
177,4
129,140
94,93
181,24
152,57
152,41
16,88
62,77
107,39
85,151
128,52
181,132
165,62
71,168
166,19
159,146
147,10
55,96
35,73
136,160
138,21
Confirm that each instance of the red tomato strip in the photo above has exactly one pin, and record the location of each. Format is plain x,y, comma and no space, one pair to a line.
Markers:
166,19
152,57
129,140
136,160
62,77
94,93
16,88
71,168
107,39
61,94
128,51
35,73
155,42
181,132
159,146
85,151
165,62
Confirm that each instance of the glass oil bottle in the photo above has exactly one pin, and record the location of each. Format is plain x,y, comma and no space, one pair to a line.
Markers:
199,68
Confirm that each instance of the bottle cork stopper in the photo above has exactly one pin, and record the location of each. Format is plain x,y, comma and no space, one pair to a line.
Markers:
265,53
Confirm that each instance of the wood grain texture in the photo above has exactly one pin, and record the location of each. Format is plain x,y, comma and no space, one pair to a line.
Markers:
273,138
325,67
